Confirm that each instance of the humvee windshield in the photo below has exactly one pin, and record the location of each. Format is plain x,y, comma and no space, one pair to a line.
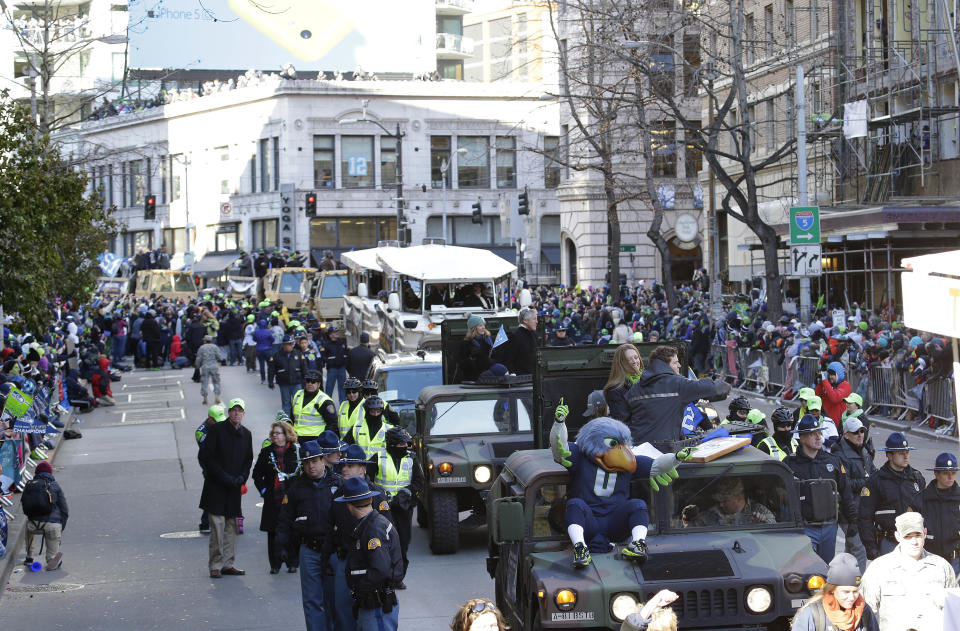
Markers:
550,502
183,282
505,414
290,282
334,286
729,501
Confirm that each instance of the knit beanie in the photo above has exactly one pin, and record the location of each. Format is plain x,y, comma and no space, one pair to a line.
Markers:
474,320
843,570
44,467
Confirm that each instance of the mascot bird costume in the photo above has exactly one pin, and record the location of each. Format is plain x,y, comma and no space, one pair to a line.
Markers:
601,464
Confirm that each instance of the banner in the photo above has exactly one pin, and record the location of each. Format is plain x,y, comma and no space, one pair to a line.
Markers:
242,287
29,425
17,402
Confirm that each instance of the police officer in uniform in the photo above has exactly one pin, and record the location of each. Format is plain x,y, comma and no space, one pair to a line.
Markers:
399,473
941,510
783,443
351,410
313,409
286,368
353,464
896,488
371,432
738,410
374,561
305,512
370,390
859,465
811,462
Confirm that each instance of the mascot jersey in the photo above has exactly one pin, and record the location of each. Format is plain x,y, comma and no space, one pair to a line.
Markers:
603,490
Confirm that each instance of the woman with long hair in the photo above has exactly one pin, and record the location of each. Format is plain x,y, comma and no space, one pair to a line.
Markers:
624,372
478,614
474,355
839,603
278,461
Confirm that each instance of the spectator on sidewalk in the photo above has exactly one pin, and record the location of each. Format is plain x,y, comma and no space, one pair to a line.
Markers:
249,344
833,390
215,414
100,381
48,524
208,361
277,463
226,456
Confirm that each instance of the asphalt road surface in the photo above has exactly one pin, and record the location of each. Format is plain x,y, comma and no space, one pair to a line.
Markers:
133,558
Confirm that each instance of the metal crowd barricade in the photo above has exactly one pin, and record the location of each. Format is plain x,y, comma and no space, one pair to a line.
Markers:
753,368
940,405
718,360
887,395
807,371
777,372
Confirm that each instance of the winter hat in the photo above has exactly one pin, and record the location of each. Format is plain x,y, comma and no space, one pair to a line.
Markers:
474,320
843,571
44,467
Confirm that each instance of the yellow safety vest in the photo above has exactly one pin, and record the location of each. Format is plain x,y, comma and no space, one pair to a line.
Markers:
775,450
307,419
349,419
391,478
375,445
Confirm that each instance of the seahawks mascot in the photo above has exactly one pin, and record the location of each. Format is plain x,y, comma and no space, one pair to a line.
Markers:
601,464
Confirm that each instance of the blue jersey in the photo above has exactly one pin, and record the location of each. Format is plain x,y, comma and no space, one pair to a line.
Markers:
692,416
602,490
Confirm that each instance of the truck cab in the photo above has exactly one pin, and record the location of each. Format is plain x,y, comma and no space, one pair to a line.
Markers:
326,293
289,284
165,284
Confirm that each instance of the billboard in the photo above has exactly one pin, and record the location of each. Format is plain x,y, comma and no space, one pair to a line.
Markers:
314,35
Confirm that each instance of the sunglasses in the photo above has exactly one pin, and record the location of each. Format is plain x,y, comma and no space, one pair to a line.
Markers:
312,381
482,605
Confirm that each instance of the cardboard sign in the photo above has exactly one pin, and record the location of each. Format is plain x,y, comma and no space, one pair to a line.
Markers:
713,449
17,402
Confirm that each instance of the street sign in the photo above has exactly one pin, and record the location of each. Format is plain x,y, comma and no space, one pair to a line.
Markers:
805,260
226,209
804,225
628,248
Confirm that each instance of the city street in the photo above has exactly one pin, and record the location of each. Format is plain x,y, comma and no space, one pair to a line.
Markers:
134,560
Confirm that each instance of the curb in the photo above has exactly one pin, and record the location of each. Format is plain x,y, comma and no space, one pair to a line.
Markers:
17,532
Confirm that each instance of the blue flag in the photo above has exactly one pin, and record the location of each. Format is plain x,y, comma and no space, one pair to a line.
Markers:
109,263
501,337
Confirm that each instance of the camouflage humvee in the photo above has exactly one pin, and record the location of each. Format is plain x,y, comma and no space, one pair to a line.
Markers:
747,570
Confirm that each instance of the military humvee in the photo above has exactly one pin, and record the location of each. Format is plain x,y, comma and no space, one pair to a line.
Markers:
729,573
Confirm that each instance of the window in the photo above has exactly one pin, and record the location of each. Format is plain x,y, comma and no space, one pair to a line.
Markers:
388,161
386,228
473,164
452,24
501,49
138,182
264,233
746,501
768,30
789,21
265,164
164,177
551,162
506,162
226,238
478,416
439,153
693,158
522,47
174,168
450,69
550,229
565,149
356,156
662,69
323,233
749,38
351,232
323,161
224,169
663,146
275,163
358,231
253,173
134,242
752,128
691,64
175,239
771,131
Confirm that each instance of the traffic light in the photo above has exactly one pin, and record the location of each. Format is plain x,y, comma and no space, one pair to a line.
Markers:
150,207
311,204
477,213
523,208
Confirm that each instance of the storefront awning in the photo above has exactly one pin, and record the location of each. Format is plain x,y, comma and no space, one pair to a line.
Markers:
213,264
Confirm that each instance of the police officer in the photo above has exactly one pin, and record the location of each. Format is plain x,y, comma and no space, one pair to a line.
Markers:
859,465
374,562
334,355
286,367
941,510
305,513
351,410
783,443
370,390
811,462
738,410
399,473
371,432
896,488
313,409
353,464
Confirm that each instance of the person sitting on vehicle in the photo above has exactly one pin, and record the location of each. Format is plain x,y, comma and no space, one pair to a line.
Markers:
783,442
474,355
598,512
625,370
596,405
732,508
476,298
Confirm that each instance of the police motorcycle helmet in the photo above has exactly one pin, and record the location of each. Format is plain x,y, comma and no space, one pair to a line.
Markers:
352,384
781,417
312,375
369,387
398,435
739,404
373,403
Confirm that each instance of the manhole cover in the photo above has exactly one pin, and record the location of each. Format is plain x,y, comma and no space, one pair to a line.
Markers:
44,589
187,534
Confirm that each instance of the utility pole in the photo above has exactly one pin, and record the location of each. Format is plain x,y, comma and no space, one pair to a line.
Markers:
802,181
399,138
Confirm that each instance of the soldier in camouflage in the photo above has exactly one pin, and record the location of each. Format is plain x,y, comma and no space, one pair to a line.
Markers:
733,509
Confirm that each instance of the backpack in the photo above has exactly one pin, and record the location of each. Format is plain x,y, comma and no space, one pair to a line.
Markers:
37,499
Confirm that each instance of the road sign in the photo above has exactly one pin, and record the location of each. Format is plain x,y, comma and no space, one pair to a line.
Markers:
805,260
628,248
226,209
804,225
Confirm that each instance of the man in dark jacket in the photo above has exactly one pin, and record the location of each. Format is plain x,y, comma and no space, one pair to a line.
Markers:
895,489
657,400
941,510
519,352
51,526
359,358
859,465
193,337
286,367
226,456
150,334
334,356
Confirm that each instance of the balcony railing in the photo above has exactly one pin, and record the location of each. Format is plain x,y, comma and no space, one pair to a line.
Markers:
455,7
454,46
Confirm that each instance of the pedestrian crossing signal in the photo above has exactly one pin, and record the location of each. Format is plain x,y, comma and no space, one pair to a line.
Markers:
150,208
477,213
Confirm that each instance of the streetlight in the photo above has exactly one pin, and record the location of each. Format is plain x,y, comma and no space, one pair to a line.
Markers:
398,135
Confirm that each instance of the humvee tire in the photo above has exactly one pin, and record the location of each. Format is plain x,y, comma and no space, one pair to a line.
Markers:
444,522
422,520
